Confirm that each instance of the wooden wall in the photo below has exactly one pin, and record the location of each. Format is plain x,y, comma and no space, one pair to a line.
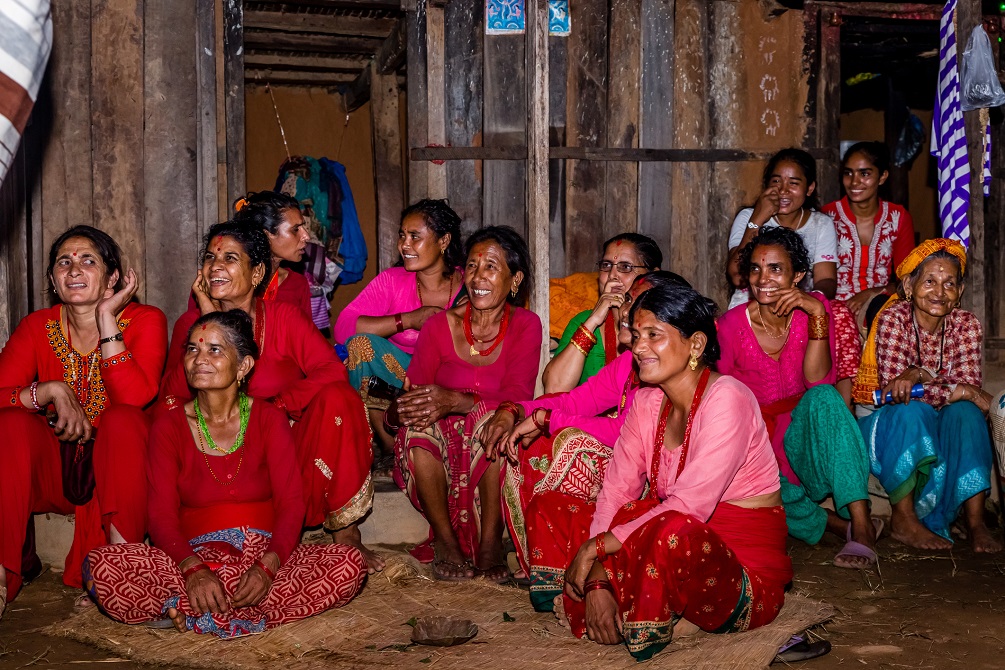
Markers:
700,75
124,138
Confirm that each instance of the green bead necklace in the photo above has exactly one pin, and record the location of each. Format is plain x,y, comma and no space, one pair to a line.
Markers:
242,404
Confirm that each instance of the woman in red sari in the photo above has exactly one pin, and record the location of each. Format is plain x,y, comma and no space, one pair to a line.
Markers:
91,363
707,542
467,359
297,371
226,508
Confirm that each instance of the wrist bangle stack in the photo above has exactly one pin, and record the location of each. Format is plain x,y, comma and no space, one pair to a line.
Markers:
583,339
399,325
260,563
188,572
601,549
597,585
818,327
33,390
511,407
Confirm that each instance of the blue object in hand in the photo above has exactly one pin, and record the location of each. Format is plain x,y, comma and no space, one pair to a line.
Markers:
342,352
917,391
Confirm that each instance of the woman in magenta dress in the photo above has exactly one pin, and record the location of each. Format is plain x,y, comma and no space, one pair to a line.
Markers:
297,371
91,362
707,542
226,508
467,360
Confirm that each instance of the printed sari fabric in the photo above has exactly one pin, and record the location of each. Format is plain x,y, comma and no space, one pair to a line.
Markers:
727,575
135,583
375,356
450,439
571,462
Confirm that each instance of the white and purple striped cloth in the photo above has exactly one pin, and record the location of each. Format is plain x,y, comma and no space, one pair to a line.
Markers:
25,43
949,139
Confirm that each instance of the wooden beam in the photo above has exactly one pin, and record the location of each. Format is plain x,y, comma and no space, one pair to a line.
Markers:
319,23
656,117
435,95
418,132
586,127
358,92
504,200
387,169
304,63
233,77
207,183
888,10
257,78
272,40
537,160
357,5
621,200
519,153
828,108
391,54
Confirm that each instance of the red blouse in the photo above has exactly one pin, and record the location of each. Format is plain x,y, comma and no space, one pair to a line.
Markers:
264,469
295,360
38,350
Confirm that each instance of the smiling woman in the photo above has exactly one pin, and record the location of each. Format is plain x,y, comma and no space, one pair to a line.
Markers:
74,379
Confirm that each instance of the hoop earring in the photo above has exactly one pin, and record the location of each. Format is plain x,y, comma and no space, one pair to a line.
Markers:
693,363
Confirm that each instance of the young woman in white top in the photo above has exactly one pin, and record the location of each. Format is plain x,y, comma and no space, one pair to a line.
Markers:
789,200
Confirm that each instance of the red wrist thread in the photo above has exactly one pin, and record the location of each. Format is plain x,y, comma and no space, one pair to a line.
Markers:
266,569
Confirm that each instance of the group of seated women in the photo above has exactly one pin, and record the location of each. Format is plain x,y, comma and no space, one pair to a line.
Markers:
655,481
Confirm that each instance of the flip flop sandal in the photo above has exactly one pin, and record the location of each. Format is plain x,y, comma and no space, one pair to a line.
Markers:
82,603
484,573
859,550
803,651
450,578
159,623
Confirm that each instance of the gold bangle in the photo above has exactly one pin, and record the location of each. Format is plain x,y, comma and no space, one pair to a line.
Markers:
818,327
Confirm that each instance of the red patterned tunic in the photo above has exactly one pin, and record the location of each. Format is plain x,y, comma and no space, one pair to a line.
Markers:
861,268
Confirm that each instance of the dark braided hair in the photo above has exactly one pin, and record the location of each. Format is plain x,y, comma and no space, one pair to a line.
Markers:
264,209
442,220
777,236
252,239
686,310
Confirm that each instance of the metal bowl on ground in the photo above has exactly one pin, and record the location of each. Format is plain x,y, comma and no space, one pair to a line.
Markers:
440,631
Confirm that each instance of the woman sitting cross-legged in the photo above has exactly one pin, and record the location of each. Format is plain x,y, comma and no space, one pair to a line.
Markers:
567,438
74,379
707,542
781,345
591,339
468,359
297,371
381,325
932,455
226,507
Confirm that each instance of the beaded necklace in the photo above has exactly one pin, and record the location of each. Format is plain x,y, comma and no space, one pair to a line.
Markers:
661,429
496,341
245,412
205,456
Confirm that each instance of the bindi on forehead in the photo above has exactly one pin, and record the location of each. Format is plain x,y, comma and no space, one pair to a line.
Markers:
200,339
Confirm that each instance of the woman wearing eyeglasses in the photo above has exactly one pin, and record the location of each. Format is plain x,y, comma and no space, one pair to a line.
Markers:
590,341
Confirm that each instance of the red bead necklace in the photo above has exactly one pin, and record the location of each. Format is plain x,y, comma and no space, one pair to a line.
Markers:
661,429
496,341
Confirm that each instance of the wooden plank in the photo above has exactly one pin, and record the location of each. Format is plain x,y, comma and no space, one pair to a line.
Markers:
519,153
621,207
233,79
63,112
464,25
537,159
975,299
355,81
656,117
891,10
305,63
418,132
357,5
504,120
558,57
586,126
14,204
387,169
811,68
330,24
357,93
117,128
207,189
170,150
436,177
829,110
994,228
390,56
691,251
274,40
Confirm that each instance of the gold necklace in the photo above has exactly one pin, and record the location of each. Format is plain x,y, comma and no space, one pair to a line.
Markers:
784,333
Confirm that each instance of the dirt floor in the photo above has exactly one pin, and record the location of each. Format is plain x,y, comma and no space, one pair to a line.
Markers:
921,610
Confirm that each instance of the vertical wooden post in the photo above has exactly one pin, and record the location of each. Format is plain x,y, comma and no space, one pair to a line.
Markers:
435,92
504,123
233,76
537,162
207,181
656,121
621,209
968,16
829,105
994,232
387,170
415,46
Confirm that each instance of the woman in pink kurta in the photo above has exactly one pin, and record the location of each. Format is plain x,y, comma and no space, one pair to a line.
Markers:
468,359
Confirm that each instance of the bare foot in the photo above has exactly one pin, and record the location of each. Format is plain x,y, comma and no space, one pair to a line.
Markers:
916,535
178,619
684,628
450,565
982,541
350,536
559,610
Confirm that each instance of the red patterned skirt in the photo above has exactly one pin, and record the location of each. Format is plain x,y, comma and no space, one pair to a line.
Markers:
724,576
135,583
572,462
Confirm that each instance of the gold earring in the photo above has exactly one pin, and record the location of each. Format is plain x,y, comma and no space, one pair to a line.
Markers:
514,291
693,363
442,251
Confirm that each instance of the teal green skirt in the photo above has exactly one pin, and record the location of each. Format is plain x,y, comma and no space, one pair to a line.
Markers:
370,356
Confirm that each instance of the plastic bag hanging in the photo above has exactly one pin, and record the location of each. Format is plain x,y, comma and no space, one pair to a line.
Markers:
980,87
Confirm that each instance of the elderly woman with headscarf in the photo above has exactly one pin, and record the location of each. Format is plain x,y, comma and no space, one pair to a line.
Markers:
933,456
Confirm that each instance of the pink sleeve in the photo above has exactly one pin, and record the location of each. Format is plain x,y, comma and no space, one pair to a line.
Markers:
629,465
729,346
426,359
719,443
522,356
375,299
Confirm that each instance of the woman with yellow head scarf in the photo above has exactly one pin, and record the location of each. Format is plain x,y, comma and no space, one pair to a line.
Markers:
932,455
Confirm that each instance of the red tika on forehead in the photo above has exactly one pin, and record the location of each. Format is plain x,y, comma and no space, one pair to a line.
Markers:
618,243
200,339
204,326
